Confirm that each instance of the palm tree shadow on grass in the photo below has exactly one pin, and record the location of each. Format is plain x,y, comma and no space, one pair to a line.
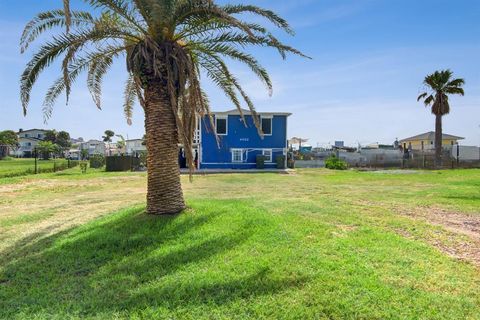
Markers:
128,262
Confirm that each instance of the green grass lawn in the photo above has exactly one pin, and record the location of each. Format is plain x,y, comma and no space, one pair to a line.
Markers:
24,166
315,244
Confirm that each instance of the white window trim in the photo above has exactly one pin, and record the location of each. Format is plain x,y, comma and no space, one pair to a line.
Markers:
271,124
271,155
241,155
226,125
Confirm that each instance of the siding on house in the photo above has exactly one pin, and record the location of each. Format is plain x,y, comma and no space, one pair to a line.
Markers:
426,141
241,144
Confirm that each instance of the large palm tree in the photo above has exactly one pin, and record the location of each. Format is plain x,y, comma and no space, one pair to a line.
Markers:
439,85
167,45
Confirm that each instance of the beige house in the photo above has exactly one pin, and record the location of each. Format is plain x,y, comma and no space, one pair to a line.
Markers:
426,141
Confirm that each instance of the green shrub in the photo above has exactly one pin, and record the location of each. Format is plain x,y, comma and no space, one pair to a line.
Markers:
97,161
260,160
83,166
143,159
334,163
73,163
280,160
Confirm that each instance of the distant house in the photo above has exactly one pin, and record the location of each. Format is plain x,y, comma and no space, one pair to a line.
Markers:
93,147
377,145
28,140
426,141
239,142
77,141
73,153
135,146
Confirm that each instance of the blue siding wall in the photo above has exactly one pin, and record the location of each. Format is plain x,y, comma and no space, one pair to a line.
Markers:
241,137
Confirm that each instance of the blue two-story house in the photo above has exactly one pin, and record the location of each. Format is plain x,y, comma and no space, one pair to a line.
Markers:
240,143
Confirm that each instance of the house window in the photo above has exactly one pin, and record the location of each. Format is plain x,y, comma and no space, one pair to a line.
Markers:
237,155
267,153
221,126
267,126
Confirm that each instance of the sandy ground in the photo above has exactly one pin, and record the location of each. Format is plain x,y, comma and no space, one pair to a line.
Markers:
462,231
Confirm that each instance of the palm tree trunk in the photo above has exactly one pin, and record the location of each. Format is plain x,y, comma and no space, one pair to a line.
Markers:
438,140
164,194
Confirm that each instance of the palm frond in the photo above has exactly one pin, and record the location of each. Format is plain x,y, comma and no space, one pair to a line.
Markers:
456,83
422,96
75,69
48,20
96,72
68,15
429,100
123,10
129,94
210,11
268,14
240,56
454,90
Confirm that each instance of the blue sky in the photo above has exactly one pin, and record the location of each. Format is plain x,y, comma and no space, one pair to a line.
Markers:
369,60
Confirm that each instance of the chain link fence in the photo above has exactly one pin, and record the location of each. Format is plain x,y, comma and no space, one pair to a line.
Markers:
456,157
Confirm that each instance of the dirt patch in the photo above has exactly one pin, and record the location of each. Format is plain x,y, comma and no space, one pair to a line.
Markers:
456,222
461,238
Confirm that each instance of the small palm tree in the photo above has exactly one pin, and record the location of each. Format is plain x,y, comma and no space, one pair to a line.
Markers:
166,45
108,136
439,85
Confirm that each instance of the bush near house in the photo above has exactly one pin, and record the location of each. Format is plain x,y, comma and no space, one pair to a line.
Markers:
143,159
335,163
280,160
97,161
260,160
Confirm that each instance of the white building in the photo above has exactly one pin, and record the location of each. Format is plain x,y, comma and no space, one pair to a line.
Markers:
93,147
135,146
28,140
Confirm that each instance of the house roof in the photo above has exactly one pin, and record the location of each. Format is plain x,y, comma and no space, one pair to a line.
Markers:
247,112
43,130
431,136
93,140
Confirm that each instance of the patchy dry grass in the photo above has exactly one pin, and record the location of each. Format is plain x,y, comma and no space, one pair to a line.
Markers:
316,244
50,203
